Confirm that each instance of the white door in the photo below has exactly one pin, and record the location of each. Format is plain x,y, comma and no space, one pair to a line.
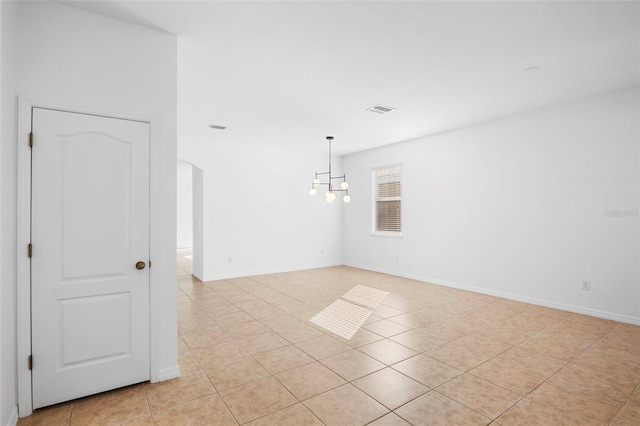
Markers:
90,226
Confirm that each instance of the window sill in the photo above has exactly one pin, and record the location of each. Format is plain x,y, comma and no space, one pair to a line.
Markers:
387,234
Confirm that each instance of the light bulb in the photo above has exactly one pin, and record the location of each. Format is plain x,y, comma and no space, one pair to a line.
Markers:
344,185
346,198
313,192
316,181
331,197
326,194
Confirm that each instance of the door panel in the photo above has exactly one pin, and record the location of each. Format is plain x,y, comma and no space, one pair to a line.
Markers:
110,208
90,225
87,336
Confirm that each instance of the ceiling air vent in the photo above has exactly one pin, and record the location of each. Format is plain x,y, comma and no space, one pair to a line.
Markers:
380,109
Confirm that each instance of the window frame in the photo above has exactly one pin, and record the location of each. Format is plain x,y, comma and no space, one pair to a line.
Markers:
375,177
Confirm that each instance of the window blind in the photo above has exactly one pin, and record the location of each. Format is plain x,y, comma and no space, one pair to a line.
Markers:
387,199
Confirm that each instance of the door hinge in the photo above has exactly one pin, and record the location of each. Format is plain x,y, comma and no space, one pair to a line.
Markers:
31,139
29,250
30,362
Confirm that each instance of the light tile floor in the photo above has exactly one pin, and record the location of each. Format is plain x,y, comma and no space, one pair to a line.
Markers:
423,355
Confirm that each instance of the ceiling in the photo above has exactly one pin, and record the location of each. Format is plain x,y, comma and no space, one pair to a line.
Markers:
289,73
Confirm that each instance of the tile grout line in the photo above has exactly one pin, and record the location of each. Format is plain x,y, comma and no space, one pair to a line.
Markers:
271,375
636,389
538,332
386,366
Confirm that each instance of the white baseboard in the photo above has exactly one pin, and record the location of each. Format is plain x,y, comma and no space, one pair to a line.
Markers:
167,374
266,272
540,302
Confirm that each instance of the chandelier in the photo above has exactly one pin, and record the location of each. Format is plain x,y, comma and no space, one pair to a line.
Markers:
330,195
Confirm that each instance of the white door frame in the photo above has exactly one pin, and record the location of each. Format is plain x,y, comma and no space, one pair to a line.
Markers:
23,282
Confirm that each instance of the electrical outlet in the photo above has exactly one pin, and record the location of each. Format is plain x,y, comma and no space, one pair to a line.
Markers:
230,259
586,285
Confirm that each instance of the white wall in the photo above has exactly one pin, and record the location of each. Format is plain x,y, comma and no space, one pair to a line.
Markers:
257,211
198,221
1,63
517,207
8,123
1,334
185,206
73,58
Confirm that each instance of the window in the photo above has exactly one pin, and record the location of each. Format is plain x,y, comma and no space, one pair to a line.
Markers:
386,199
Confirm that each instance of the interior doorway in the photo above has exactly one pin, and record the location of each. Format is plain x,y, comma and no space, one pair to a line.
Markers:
184,237
189,236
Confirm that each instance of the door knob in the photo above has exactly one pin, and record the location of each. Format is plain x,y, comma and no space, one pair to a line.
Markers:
140,265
